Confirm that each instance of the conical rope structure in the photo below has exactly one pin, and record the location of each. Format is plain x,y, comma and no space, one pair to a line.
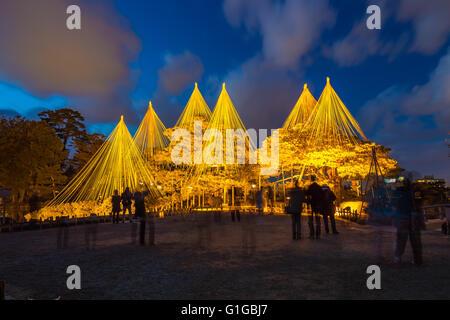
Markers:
331,121
215,151
301,111
196,109
117,164
149,137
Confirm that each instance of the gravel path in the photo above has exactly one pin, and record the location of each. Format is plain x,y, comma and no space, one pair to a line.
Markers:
197,258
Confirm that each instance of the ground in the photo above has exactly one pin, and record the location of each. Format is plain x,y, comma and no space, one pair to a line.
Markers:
196,257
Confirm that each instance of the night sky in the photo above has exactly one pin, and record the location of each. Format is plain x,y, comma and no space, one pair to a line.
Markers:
395,81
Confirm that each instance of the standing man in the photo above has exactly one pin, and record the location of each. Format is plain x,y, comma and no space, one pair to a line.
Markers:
140,213
126,203
328,209
296,198
316,198
115,206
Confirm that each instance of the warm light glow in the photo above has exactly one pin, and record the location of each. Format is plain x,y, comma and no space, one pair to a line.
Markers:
116,165
196,109
330,120
149,137
302,110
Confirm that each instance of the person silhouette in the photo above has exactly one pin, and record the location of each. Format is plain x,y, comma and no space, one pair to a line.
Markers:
316,197
296,197
328,209
140,213
126,203
115,206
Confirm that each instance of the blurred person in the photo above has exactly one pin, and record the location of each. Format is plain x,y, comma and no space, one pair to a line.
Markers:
204,230
408,221
270,198
140,213
235,212
248,234
90,233
446,215
127,198
315,196
296,198
328,209
62,241
217,205
259,201
151,228
116,199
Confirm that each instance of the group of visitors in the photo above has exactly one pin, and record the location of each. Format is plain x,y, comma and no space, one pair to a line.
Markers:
126,198
321,201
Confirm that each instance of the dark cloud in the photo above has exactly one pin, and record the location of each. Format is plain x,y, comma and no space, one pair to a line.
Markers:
179,71
432,98
90,66
431,29
265,88
362,43
262,93
431,21
414,122
289,29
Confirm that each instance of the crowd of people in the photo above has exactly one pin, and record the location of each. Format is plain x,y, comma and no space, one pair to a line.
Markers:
140,213
402,208
321,201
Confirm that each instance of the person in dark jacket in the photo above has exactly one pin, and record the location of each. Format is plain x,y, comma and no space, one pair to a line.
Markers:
296,197
315,197
127,198
115,206
409,222
329,209
140,213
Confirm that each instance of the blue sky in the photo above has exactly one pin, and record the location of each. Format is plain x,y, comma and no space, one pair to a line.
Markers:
394,81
